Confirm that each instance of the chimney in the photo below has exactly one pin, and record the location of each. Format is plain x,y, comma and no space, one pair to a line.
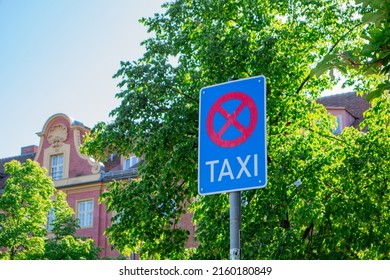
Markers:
29,150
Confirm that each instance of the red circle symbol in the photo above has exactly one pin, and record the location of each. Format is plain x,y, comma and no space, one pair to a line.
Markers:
231,119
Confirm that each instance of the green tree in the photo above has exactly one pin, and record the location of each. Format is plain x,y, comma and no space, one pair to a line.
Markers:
24,206
23,210
200,43
64,223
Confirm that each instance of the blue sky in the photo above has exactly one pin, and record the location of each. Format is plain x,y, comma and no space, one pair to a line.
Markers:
59,57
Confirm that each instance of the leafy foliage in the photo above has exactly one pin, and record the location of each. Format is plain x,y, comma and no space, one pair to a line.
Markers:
24,206
23,209
64,223
198,43
71,248
369,61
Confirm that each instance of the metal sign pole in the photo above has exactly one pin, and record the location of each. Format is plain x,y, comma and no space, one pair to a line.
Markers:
235,221
235,225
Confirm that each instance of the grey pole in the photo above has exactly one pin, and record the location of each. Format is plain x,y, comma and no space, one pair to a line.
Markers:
235,220
235,225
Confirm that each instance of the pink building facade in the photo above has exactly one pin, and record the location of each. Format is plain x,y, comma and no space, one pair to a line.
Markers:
79,176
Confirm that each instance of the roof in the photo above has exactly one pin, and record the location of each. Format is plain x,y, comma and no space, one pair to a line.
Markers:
3,161
354,104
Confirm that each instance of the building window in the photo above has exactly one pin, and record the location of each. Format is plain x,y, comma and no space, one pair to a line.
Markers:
339,127
85,213
50,218
130,162
57,166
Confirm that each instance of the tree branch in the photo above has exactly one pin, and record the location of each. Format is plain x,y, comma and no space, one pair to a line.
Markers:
186,95
330,50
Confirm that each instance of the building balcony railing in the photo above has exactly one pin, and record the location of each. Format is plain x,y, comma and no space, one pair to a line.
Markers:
120,174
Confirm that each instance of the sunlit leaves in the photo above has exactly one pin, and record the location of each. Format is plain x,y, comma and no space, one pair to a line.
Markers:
368,60
25,204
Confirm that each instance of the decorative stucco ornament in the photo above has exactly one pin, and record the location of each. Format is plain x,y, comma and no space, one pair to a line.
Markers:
57,135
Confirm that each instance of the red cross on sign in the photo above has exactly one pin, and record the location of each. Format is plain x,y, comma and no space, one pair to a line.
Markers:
231,119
